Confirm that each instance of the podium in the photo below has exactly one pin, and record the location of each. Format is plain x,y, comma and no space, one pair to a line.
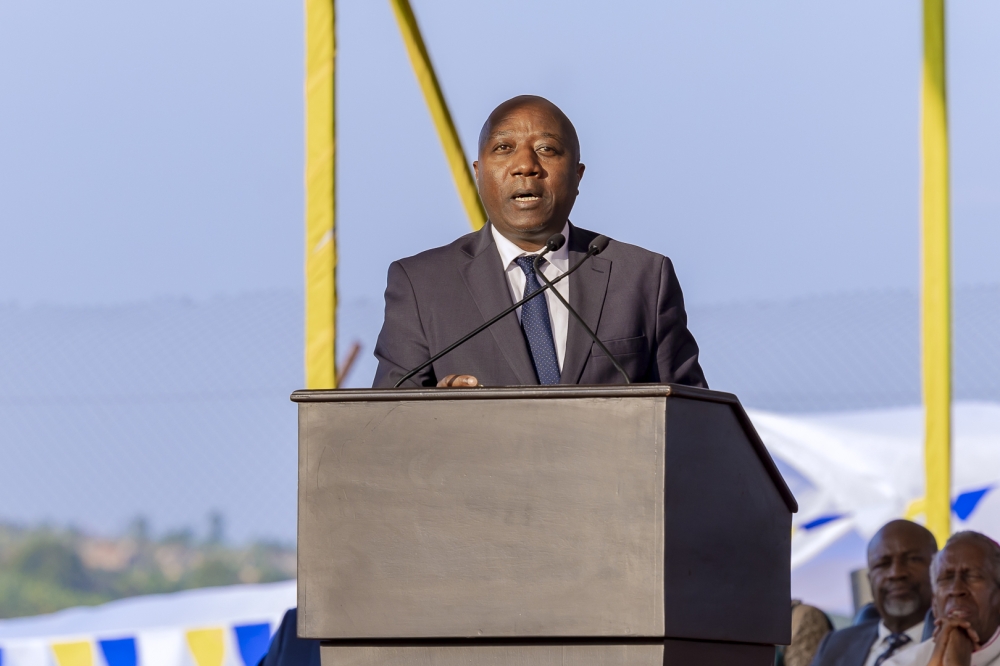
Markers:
585,525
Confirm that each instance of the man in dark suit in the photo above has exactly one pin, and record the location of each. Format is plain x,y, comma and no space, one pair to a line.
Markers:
528,175
899,560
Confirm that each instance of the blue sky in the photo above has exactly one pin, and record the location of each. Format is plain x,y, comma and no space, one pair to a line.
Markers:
770,148
152,150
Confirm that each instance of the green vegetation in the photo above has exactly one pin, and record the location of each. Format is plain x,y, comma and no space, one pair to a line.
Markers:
46,569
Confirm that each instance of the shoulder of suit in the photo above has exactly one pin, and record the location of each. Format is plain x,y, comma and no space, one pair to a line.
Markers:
858,632
640,257
618,248
460,247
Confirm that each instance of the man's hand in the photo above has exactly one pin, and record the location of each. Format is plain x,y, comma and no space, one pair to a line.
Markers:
954,642
459,381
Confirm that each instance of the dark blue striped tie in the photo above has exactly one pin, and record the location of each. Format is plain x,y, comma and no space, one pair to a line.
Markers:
537,326
895,641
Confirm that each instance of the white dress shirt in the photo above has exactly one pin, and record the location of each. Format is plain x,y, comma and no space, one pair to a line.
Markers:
555,264
988,655
881,643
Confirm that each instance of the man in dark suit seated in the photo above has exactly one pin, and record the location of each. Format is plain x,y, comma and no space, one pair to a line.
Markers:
966,577
528,175
899,559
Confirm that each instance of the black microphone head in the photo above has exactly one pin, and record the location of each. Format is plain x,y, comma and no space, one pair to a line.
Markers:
555,242
598,245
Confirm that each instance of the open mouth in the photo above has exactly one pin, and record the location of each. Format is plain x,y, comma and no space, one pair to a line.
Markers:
525,196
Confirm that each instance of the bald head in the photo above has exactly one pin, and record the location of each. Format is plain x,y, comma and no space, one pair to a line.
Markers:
514,104
899,560
914,534
528,172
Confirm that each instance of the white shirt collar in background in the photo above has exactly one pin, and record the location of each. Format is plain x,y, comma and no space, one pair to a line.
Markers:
882,642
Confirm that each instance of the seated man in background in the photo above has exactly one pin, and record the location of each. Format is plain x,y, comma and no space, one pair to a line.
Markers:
966,579
899,559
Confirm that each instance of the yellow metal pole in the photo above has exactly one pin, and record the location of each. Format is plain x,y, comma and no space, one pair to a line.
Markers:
422,67
320,183
936,275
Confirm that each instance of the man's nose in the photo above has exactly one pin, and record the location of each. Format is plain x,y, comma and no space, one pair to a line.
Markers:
525,163
959,586
898,570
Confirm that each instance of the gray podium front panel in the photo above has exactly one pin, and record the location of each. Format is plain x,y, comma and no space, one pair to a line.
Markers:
481,518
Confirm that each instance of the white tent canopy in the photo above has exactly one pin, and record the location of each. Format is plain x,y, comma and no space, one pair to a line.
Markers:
222,626
854,471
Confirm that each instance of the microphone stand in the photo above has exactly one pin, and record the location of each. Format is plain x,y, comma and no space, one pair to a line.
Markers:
569,307
591,251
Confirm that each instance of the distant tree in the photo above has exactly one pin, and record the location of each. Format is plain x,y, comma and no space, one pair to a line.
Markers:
212,572
216,528
178,537
48,559
138,529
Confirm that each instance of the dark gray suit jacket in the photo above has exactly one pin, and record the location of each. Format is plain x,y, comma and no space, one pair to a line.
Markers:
848,646
628,295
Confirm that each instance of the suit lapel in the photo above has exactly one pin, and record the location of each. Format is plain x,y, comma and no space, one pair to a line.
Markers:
862,655
485,279
588,287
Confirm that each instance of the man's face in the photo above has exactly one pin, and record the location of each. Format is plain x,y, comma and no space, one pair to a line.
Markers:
528,173
899,572
965,586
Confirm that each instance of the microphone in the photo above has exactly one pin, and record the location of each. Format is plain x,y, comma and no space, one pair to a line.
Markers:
597,246
554,242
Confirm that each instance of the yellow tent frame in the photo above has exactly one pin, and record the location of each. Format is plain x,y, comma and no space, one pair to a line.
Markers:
321,253
935,275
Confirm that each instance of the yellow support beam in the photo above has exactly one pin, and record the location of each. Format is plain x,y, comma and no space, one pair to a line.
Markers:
936,275
321,195
422,67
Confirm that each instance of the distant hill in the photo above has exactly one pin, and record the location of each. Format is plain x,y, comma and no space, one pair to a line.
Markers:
44,570
172,410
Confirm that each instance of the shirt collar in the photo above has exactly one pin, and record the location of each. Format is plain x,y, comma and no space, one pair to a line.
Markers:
509,252
916,632
991,648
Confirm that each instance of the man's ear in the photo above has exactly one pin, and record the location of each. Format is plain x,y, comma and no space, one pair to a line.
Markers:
475,169
580,168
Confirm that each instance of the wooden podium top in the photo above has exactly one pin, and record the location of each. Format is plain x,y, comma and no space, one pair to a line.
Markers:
560,391
516,392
